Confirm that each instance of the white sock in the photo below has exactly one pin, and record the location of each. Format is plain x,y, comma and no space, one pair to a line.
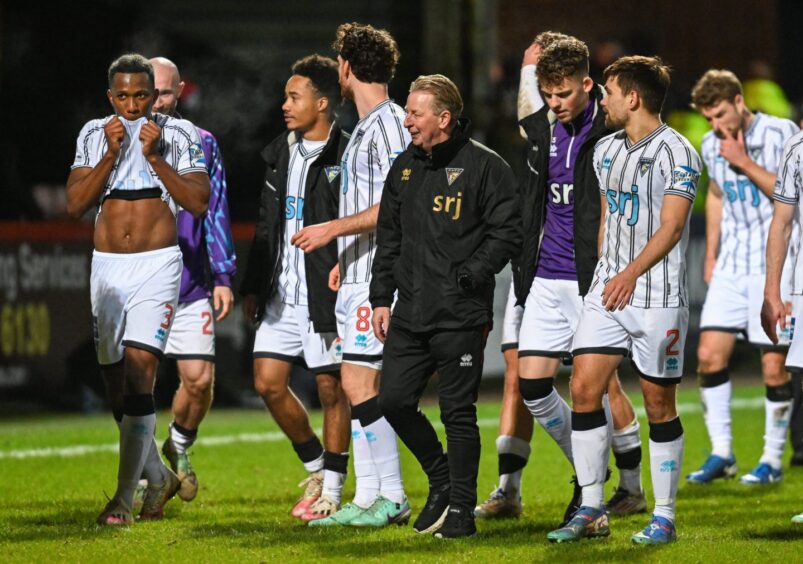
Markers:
666,460
154,470
591,450
366,477
181,441
717,409
333,480
606,407
555,416
384,447
510,482
314,465
136,437
624,440
776,425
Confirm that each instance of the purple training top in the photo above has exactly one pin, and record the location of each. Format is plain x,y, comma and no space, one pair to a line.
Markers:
556,258
206,242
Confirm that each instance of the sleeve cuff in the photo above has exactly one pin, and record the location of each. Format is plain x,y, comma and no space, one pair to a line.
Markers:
223,279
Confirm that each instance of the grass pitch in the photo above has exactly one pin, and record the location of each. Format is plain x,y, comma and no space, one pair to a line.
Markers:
54,471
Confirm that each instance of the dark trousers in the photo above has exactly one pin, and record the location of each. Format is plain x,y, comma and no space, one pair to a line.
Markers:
409,360
796,422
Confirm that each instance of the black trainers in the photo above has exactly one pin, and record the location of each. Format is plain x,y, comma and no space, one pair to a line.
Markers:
432,516
797,458
577,495
459,523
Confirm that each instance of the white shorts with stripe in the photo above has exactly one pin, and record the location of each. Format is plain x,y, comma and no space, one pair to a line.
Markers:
733,305
193,332
286,333
654,337
353,311
551,314
512,321
134,298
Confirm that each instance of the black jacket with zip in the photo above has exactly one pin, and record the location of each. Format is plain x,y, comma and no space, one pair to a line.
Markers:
320,205
451,214
539,127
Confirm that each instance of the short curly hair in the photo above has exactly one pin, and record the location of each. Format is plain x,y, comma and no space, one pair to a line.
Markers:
322,73
547,38
372,53
649,76
714,87
562,59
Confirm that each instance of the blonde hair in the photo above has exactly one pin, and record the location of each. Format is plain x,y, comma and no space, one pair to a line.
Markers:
446,96
715,86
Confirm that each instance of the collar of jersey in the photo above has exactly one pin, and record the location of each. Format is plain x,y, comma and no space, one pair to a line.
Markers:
373,111
642,142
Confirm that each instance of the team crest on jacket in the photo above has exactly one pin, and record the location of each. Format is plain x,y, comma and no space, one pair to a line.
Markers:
452,174
331,172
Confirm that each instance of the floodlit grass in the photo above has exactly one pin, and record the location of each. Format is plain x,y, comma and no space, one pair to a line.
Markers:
48,504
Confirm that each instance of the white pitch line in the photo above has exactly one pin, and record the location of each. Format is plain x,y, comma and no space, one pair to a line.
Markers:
276,436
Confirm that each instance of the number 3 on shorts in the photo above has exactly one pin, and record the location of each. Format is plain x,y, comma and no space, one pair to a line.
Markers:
363,318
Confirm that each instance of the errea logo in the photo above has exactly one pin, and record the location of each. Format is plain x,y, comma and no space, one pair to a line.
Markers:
466,360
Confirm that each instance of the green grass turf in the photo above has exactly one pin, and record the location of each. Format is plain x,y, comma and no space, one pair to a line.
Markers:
48,504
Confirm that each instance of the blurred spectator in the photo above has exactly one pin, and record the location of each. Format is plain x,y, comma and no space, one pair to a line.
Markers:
762,93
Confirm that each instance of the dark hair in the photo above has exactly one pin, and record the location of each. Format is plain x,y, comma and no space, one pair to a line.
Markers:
372,53
131,63
563,58
322,72
547,38
648,76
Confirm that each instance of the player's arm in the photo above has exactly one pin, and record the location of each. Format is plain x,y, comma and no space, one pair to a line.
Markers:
389,240
773,311
501,215
316,236
734,151
217,231
86,184
713,225
529,99
190,190
674,215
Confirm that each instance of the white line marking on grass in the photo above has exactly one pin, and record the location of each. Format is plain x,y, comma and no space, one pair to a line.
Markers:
276,436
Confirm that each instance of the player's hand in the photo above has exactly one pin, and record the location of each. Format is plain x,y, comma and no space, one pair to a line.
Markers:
381,322
732,149
250,307
531,55
773,314
618,290
313,237
115,133
149,135
223,300
708,269
334,278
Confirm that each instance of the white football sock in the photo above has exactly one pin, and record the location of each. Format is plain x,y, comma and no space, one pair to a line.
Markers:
510,482
333,480
381,439
591,450
666,460
180,441
717,410
136,438
367,480
624,440
554,415
776,424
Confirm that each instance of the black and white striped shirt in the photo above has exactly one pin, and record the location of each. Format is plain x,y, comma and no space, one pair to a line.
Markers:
746,210
634,179
377,140
788,186
292,278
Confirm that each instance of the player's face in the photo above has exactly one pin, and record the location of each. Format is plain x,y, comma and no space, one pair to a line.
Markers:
614,104
301,104
569,98
725,118
169,88
132,95
426,127
342,75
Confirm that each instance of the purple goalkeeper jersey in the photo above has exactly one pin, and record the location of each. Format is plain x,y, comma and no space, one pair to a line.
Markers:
556,258
206,242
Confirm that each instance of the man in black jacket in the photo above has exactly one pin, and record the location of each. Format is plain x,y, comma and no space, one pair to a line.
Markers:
448,222
286,290
561,210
